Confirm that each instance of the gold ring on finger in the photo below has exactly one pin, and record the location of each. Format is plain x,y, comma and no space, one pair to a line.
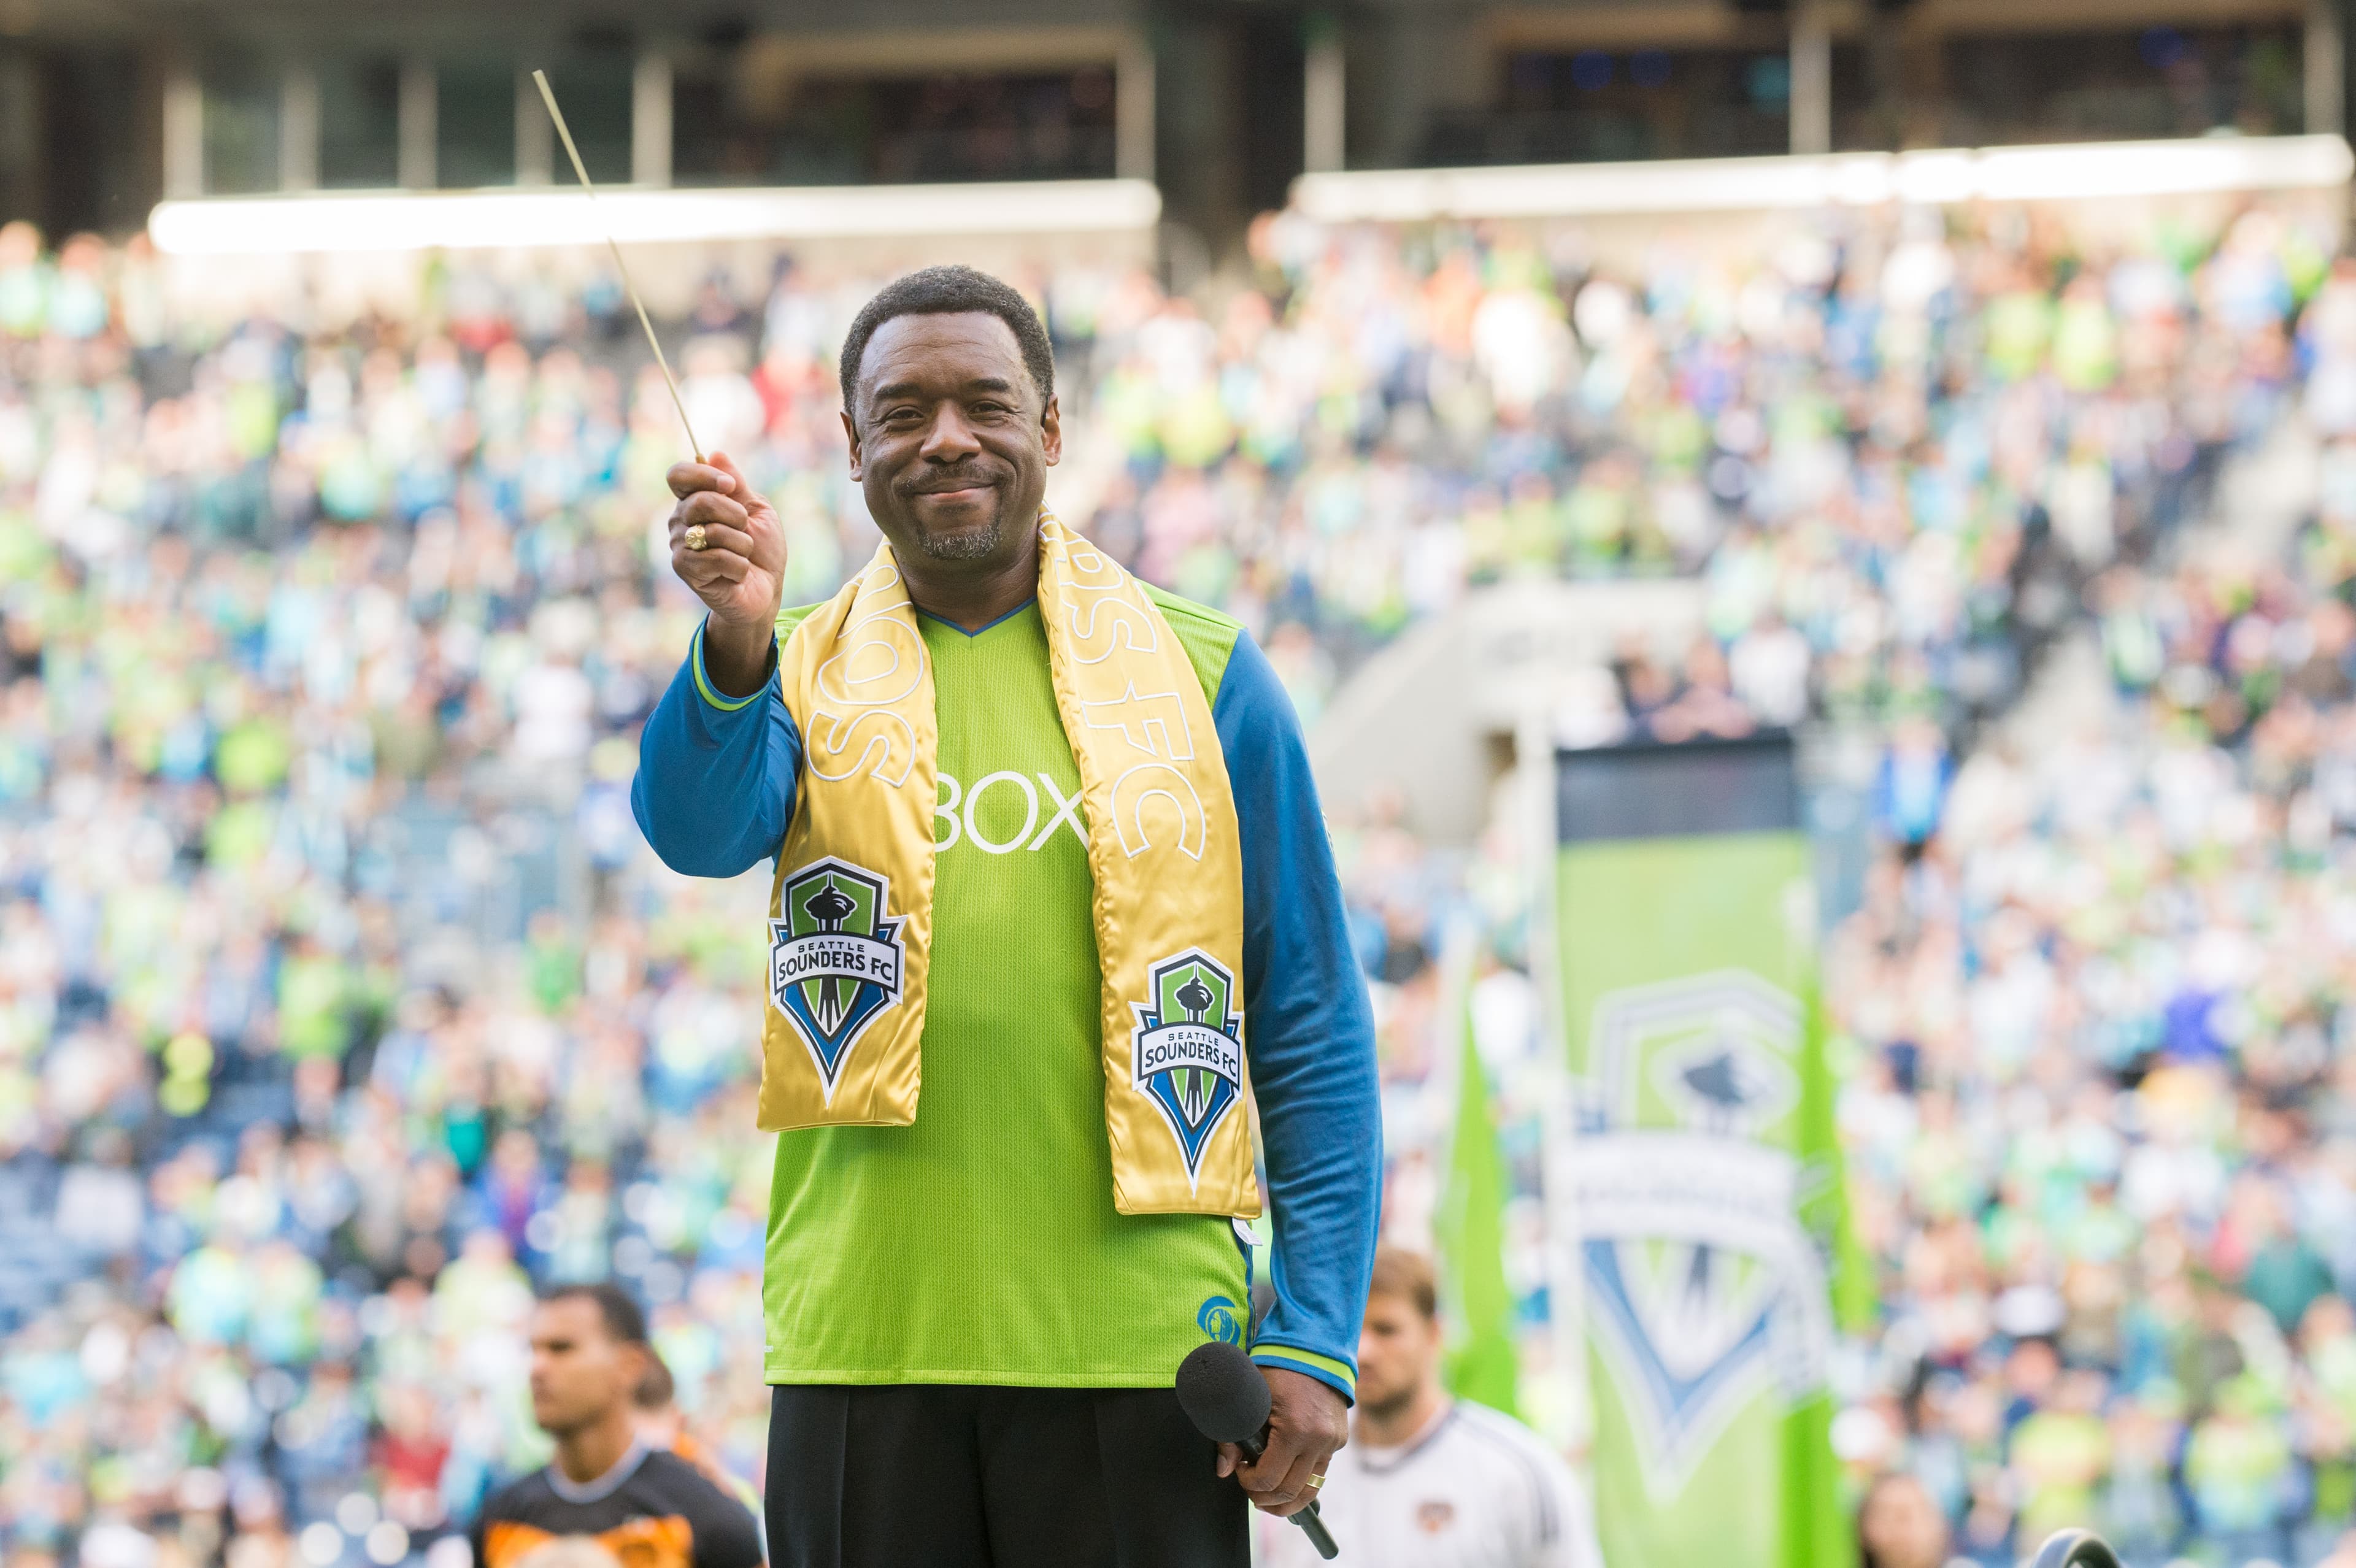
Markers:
694,538
1315,1482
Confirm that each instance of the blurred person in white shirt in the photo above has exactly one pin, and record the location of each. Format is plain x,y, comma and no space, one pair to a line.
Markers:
1427,1481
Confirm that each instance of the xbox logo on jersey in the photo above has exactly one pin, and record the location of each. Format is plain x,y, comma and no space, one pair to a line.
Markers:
834,958
1186,1053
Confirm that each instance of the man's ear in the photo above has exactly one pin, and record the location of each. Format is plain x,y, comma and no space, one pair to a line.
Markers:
851,429
1051,431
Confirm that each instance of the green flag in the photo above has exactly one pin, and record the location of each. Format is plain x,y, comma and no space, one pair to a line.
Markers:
1706,1201
1479,1304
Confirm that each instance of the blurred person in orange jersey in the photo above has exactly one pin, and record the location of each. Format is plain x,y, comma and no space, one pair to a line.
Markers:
647,1507
662,1424
571,1551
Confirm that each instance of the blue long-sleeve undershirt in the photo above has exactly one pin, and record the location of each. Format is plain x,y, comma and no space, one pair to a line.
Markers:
714,793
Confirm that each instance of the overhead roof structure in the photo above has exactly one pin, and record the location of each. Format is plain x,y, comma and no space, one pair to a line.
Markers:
426,220
2070,172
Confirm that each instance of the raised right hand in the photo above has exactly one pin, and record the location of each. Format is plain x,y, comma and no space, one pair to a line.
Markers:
739,573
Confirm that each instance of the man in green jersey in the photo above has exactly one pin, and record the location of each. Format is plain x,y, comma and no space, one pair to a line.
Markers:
972,1347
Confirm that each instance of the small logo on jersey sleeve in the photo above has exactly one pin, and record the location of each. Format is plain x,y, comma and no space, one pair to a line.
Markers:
1220,1319
1186,1053
835,959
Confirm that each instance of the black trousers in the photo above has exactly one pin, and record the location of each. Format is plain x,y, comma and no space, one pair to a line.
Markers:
925,1476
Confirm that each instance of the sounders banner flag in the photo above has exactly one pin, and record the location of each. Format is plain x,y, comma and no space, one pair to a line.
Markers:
1705,1200
1482,1365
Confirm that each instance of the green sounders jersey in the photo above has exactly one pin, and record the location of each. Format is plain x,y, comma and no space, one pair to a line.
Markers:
979,1245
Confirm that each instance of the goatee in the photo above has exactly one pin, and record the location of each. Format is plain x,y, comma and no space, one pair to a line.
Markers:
963,544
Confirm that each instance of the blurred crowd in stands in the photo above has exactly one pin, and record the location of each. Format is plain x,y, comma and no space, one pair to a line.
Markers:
2101,1125
340,1004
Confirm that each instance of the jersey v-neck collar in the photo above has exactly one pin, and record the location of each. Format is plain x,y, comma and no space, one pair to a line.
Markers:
605,1486
978,630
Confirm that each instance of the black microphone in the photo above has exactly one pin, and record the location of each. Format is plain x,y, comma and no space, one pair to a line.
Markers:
1226,1399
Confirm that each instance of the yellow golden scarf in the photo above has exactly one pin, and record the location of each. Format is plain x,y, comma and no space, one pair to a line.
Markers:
851,912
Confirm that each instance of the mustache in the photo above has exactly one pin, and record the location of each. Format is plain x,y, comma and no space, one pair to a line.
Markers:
936,482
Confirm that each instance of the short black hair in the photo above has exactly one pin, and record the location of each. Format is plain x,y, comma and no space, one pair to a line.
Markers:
656,1389
950,290
625,1321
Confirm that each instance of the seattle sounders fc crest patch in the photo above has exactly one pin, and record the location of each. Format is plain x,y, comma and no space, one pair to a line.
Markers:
1187,1051
834,959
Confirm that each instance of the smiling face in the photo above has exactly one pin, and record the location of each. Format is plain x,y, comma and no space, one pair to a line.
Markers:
950,439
